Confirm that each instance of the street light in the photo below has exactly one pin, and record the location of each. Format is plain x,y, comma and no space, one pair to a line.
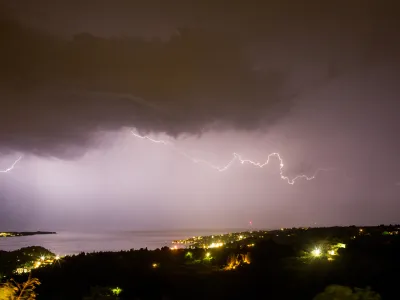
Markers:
316,252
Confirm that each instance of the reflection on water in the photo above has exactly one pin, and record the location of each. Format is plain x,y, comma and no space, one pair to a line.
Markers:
64,243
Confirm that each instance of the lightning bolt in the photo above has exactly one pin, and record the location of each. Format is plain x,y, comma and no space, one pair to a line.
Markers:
145,137
236,158
12,166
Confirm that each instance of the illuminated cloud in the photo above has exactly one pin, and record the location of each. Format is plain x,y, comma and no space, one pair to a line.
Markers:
315,81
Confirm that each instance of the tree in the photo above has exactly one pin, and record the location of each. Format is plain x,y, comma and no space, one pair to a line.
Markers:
103,293
12,290
334,292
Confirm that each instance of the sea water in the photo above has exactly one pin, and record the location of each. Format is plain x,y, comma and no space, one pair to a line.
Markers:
68,243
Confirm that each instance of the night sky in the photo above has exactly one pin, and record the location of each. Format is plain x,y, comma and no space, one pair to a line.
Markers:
316,81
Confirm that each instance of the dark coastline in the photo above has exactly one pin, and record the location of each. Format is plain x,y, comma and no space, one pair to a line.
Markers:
24,233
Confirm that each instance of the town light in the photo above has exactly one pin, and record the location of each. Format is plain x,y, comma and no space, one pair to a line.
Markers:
116,291
215,245
316,252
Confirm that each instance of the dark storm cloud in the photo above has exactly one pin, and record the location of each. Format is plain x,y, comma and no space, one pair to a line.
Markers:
57,91
236,66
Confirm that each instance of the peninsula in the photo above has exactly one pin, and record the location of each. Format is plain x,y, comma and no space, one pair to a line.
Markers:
24,233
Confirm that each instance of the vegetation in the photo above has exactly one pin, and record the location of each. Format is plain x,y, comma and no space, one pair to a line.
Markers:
321,263
12,290
25,258
333,292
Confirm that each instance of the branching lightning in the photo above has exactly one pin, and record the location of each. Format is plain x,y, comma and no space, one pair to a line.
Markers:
12,166
236,158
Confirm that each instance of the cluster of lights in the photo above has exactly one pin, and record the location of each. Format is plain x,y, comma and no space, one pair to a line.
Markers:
5,234
216,245
317,252
212,241
42,261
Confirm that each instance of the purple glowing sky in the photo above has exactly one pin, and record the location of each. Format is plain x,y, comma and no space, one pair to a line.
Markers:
317,84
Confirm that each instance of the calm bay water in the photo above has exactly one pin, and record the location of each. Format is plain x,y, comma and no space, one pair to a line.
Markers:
67,243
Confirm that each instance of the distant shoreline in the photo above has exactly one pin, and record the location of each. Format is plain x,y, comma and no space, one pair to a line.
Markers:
24,233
